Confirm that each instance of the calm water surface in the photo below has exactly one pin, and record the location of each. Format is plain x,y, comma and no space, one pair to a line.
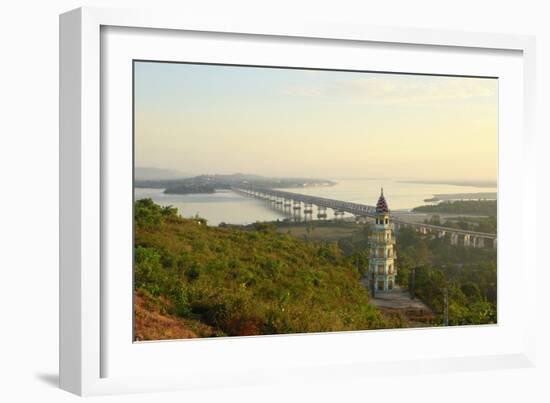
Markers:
226,206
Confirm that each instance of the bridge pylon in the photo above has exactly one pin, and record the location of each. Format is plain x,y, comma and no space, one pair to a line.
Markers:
308,211
279,200
338,215
297,210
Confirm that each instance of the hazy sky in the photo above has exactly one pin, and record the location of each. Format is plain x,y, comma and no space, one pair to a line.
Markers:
283,122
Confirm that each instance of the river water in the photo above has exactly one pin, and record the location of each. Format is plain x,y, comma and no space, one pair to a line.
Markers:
229,207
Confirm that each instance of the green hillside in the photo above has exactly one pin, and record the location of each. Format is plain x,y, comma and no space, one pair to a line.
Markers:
478,207
230,281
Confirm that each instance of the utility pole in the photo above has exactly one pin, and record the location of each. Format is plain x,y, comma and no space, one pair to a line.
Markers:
412,277
373,284
445,307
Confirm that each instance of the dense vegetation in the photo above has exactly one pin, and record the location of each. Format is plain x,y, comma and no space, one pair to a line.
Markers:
468,274
478,207
228,281
190,188
479,224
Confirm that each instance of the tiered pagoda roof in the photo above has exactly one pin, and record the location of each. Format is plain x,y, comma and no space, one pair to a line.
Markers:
382,206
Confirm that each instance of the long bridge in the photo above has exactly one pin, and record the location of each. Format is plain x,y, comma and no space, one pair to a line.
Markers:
293,201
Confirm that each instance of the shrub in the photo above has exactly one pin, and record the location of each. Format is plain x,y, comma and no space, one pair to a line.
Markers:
148,272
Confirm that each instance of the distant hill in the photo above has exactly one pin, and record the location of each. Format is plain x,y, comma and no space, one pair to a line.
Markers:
155,174
211,183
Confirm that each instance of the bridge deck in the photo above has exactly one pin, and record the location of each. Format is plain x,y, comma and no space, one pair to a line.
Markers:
357,209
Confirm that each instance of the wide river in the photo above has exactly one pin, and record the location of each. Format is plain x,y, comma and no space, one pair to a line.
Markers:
229,207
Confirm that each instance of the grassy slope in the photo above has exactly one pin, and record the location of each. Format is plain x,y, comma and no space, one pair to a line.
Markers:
318,230
245,282
153,322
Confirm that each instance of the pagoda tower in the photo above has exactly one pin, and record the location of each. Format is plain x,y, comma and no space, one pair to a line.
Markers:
381,271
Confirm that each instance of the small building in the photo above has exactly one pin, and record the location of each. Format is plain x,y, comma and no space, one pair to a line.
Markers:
381,270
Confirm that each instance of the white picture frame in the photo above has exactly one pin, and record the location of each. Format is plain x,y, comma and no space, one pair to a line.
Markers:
84,177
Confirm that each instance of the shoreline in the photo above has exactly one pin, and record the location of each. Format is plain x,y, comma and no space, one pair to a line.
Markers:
439,197
195,199
476,184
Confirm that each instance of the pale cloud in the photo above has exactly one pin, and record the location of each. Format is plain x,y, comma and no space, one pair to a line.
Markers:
400,89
